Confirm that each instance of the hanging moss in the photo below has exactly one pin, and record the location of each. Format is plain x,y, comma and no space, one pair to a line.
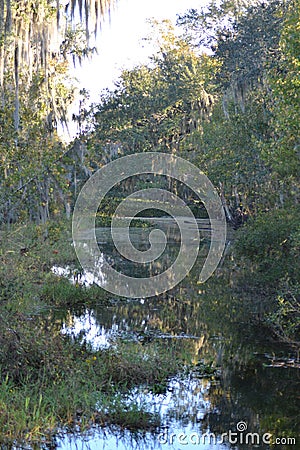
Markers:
31,34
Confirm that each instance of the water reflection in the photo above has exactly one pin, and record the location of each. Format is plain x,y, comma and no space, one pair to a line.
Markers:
252,380
95,332
249,385
108,440
182,408
76,276
89,330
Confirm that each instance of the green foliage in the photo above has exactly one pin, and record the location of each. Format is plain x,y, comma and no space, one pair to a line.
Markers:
231,157
30,175
234,112
282,153
269,244
49,379
36,94
205,26
250,46
64,294
250,149
268,241
285,318
155,107
269,249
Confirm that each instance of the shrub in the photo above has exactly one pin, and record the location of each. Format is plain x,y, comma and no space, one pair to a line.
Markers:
270,243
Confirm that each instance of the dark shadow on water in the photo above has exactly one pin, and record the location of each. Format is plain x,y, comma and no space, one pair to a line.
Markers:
236,373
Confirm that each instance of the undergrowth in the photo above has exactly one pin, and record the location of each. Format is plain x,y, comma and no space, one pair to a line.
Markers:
50,380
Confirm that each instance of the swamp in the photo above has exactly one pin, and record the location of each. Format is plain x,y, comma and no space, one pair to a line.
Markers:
149,262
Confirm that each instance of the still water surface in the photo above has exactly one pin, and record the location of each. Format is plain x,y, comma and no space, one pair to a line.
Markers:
251,383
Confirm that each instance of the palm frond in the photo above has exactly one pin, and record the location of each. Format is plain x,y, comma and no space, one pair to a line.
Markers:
30,30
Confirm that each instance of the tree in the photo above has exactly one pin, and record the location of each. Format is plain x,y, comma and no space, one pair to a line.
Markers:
31,35
36,41
244,38
248,50
204,27
283,151
159,106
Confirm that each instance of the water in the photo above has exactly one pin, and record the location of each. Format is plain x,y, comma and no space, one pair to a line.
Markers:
253,385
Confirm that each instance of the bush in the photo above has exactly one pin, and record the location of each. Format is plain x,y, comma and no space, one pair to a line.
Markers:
270,243
269,248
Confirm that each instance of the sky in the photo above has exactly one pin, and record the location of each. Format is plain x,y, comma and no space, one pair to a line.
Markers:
120,44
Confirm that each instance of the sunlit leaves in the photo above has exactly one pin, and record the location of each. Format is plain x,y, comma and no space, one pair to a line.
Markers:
158,107
283,153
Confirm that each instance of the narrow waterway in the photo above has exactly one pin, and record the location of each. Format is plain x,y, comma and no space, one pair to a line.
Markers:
242,389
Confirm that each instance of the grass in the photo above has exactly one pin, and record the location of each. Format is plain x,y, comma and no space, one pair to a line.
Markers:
51,380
